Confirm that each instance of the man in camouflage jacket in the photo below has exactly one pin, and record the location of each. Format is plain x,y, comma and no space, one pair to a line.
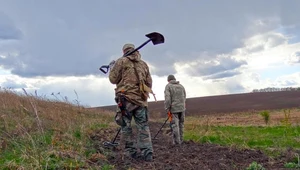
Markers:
128,81
175,97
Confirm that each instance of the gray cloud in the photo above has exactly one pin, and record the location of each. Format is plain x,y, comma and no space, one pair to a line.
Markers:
8,30
289,13
235,88
297,56
80,36
275,40
221,67
229,86
221,75
13,85
294,58
287,83
262,42
255,77
256,49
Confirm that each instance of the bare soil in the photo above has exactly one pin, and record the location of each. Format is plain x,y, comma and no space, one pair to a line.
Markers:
190,155
218,110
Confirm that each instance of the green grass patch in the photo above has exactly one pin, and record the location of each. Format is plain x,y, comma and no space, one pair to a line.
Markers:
53,150
247,137
99,126
255,166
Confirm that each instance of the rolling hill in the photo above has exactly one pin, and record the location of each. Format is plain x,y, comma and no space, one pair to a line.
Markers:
231,103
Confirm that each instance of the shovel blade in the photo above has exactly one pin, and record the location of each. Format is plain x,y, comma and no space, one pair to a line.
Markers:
156,38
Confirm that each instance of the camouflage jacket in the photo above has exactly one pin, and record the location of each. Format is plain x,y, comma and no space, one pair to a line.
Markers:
175,97
124,76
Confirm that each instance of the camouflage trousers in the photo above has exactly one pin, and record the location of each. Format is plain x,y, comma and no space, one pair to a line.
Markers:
177,126
144,143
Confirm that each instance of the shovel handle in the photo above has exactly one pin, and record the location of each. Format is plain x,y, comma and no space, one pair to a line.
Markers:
139,47
104,67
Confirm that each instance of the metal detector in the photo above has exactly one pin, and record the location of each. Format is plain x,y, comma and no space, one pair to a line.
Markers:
155,37
160,128
112,143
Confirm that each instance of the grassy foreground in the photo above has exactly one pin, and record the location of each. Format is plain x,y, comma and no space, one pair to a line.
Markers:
37,133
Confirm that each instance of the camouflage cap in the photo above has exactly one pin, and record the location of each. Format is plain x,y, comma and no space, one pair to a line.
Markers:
128,46
171,77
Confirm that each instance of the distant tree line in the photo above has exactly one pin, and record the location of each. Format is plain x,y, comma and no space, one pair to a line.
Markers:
274,89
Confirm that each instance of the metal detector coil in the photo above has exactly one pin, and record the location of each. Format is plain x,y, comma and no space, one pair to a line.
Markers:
113,143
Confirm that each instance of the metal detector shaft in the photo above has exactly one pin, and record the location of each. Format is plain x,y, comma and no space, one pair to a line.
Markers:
116,135
161,128
112,143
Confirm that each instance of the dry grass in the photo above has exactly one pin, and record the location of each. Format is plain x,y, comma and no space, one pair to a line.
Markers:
27,121
35,113
252,118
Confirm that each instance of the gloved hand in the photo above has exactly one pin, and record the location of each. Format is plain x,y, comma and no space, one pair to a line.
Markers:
170,116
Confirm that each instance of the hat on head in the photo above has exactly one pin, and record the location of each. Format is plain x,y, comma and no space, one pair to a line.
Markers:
128,46
171,77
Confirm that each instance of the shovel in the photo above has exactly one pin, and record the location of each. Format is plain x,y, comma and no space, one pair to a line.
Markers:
155,37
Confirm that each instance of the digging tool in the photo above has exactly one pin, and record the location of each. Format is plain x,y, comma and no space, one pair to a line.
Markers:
155,37
112,143
169,118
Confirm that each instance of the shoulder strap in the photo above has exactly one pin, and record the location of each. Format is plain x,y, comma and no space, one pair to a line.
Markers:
144,89
135,71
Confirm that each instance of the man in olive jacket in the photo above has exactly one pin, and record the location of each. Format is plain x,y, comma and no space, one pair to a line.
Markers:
129,73
175,97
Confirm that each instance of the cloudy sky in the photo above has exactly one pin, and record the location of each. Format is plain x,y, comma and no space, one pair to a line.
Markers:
212,47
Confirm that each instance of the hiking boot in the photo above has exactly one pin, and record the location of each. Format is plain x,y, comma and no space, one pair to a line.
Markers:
149,157
134,155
